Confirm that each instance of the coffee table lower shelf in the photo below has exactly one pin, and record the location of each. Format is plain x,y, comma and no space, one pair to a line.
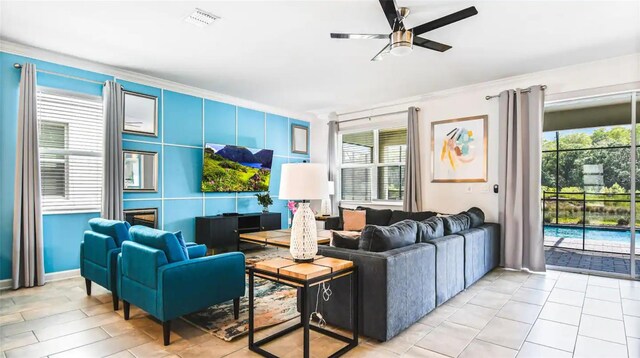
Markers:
304,284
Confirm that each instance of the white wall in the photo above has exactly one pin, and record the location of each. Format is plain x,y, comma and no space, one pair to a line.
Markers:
470,100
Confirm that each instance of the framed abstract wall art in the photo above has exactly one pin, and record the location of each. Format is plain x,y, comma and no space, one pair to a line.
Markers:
459,150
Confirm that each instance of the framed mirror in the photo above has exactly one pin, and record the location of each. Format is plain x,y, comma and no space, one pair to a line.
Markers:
145,217
140,114
140,171
299,139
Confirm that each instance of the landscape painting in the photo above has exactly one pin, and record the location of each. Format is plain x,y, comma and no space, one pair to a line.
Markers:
459,150
230,168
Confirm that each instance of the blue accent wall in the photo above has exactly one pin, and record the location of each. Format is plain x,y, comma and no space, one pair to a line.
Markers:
185,124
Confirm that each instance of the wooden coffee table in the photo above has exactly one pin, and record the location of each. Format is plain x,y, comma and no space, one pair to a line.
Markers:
304,276
280,238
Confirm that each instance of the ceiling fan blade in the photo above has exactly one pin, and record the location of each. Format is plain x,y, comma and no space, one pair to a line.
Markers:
378,56
391,12
431,45
360,36
444,21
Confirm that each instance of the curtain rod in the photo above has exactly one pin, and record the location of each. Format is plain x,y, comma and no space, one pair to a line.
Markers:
18,66
544,87
375,115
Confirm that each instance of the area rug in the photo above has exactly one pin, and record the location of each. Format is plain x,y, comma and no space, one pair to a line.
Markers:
273,304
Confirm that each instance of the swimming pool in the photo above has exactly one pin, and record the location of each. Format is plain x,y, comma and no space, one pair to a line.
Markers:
590,233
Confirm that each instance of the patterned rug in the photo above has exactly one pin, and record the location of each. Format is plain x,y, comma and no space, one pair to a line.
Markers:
274,304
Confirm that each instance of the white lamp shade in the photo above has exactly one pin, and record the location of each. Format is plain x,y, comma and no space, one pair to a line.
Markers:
332,188
303,181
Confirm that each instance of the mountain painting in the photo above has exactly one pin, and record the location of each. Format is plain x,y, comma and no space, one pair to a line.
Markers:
230,168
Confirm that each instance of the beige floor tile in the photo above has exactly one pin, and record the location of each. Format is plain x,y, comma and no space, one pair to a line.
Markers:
602,308
41,323
324,346
515,276
603,293
212,348
448,339
59,344
105,347
478,348
587,347
604,281
473,316
417,352
490,299
438,315
631,307
10,318
405,340
629,283
503,285
18,340
369,352
98,309
505,332
123,354
119,327
539,283
559,312
461,298
602,328
573,283
33,305
632,326
630,292
553,334
55,309
520,311
529,295
566,297
633,346
532,350
63,329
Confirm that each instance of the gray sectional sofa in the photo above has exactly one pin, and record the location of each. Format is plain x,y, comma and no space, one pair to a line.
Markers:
399,286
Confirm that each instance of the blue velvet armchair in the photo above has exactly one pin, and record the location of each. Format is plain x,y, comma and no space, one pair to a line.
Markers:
99,253
167,278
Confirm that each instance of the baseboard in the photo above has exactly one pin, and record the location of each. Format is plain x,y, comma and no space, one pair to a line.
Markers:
49,277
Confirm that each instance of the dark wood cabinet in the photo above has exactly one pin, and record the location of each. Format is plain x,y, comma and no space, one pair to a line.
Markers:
220,233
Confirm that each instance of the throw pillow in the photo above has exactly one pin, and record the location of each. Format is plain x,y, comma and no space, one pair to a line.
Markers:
421,215
456,223
397,216
345,240
430,229
182,243
476,215
383,238
160,240
376,216
354,220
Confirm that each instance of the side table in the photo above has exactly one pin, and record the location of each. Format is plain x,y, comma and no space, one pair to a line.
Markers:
304,276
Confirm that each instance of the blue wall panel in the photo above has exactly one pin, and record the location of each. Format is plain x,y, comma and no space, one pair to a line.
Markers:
219,123
220,205
151,91
276,171
250,128
147,147
183,172
278,134
182,119
62,235
146,204
248,204
180,215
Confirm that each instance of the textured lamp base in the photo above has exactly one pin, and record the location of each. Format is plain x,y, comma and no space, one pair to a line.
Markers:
304,237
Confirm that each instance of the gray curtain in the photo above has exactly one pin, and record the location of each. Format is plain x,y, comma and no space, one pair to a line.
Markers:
332,160
112,171
520,213
28,253
413,175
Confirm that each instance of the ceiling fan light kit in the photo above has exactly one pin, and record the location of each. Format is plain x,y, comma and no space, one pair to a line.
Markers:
401,40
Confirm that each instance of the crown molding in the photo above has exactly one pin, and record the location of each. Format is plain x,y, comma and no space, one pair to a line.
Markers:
127,75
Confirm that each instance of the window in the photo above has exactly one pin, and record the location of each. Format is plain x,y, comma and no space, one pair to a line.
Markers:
70,138
373,165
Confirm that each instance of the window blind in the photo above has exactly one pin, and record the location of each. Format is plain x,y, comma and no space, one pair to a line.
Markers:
70,138
357,148
356,184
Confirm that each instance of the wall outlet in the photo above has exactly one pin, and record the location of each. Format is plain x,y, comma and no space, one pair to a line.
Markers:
469,189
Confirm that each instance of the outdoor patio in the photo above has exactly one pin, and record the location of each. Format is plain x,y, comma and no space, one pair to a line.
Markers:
589,260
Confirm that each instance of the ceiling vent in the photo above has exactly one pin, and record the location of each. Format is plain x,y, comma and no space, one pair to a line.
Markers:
201,18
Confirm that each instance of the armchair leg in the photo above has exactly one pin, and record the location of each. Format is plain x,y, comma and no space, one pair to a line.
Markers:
236,308
116,302
166,332
126,309
87,284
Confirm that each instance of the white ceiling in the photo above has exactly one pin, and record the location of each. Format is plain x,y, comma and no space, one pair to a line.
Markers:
280,53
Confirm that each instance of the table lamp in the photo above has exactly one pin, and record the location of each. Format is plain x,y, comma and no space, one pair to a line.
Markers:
303,181
325,207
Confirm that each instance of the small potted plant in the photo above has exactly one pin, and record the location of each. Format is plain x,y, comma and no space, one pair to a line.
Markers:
265,200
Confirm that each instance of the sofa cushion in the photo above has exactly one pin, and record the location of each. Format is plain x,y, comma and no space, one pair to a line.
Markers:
430,229
345,240
182,243
354,220
383,238
456,223
378,217
476,215
118,230
399,215
160,240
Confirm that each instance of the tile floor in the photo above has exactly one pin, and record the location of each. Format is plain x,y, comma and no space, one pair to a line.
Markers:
506,314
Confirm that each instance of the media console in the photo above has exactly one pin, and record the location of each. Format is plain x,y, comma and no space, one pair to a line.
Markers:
220,233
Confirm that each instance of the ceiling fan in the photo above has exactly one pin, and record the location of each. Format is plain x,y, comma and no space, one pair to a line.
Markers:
401,40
